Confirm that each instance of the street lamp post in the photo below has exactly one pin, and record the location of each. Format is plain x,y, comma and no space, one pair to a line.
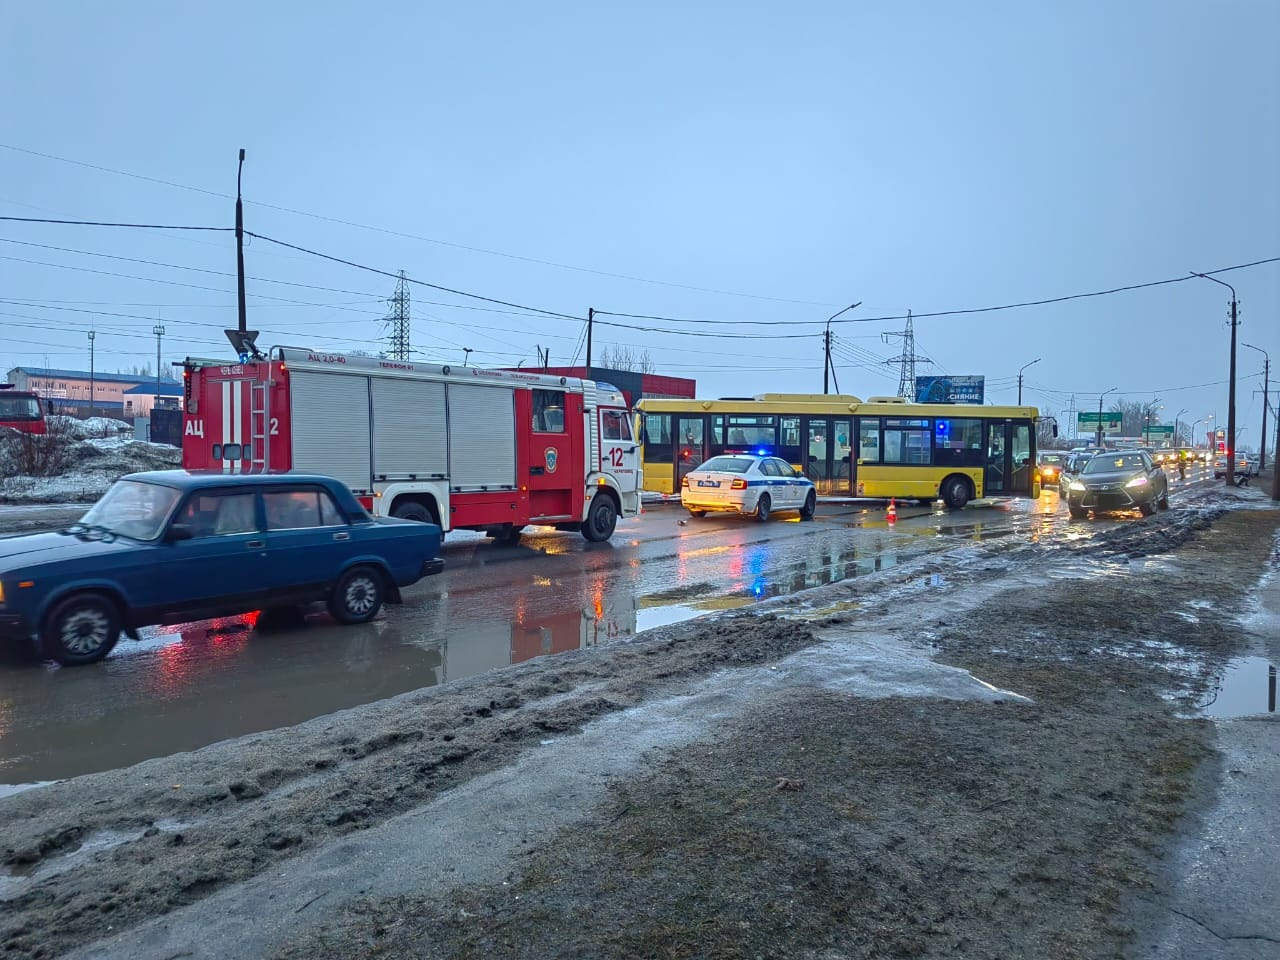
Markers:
466,355
1266,378
1100,396
1231,381
92,336
828,368
158,330
1023,367
1146,423
1176,444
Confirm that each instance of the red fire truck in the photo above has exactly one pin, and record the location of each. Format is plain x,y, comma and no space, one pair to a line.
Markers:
464,447
21,410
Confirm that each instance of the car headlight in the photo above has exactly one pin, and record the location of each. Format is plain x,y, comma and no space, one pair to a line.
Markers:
1076,485
1137,482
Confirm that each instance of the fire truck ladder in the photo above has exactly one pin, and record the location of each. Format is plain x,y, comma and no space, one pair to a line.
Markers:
259,427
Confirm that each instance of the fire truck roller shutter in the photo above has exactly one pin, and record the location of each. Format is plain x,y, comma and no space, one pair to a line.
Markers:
482,437
408,429
330,425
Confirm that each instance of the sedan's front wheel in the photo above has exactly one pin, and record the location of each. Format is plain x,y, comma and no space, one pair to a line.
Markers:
80,629
1147,509
357,596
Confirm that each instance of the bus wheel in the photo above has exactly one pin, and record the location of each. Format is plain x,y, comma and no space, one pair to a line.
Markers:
762,507
955,492
810,506
697,513
602,517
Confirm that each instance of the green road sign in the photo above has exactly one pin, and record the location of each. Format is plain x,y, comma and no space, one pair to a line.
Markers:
1160,431
1087,421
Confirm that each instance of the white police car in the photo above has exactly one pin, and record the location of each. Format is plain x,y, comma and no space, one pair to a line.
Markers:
753,485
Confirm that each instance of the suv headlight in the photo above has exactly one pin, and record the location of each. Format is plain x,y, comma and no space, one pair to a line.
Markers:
1137,482
1076,485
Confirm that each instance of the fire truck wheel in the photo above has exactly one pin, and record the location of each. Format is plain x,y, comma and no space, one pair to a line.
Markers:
601,519
357,596
412,510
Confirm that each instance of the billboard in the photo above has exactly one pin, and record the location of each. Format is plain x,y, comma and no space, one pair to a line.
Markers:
1112,422
948,389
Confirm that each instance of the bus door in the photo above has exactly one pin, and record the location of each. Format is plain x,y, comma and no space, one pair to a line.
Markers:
691,445
828,462
1009,467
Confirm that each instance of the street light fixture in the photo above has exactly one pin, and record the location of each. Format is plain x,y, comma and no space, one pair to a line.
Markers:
1175,427
1266,379
466,355
1023,367
1100,396
1231,384
1146,423
828,367
1194,424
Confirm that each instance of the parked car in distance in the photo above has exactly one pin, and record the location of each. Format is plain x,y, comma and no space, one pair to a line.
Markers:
1121,480
1071,466
171,546
742,483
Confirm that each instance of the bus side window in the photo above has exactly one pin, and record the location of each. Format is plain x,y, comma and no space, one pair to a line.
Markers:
657,438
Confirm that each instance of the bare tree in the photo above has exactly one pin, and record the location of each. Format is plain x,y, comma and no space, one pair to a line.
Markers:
1045,439
624,358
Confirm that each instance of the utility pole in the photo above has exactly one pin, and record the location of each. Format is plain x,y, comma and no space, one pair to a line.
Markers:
158,330
1024,366
829,368
1266,379
591,319
240,248
92,335
1231,385
1071,413
399,320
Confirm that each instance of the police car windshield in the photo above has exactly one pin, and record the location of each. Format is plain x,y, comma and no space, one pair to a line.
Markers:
133,509
728,464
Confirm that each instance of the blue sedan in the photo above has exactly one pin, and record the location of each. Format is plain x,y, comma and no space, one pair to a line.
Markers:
172,546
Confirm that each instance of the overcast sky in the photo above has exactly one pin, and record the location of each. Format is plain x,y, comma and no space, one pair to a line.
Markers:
738,163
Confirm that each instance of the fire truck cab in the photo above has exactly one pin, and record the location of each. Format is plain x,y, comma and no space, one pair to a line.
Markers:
21,410
464,447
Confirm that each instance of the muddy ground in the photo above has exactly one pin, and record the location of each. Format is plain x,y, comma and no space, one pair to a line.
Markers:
806,821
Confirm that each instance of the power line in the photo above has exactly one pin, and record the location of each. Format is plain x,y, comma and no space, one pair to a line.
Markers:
102,223
423,283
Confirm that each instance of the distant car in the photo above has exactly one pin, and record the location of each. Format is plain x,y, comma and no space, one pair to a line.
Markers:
1071,466
1122,480
1050,468
1219,467
171,546
754,485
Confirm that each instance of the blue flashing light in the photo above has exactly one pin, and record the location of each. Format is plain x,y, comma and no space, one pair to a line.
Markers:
762,452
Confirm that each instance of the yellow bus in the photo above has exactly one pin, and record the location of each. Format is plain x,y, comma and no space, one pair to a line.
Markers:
879,448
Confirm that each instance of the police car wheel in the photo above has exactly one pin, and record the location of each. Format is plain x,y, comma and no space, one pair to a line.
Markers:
602,517
763,505
357,596
81,629
810,506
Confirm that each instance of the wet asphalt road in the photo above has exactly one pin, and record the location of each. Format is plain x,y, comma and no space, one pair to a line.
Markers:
181,688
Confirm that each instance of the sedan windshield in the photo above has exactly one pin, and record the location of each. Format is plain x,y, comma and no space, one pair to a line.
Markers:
1105,464
132,508
727,465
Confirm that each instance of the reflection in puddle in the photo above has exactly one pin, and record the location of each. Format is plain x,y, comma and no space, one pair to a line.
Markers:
1247,688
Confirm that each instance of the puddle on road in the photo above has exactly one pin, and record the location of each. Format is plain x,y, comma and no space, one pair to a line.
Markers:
1247,689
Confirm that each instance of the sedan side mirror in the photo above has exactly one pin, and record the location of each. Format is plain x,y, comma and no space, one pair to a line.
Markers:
179,531
798,473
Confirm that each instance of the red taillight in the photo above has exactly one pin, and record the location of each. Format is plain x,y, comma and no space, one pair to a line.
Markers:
738,484
685,483
366,502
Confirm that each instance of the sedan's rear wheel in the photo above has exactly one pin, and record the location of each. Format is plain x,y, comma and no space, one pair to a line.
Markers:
810,506
763,505
80,629
357,596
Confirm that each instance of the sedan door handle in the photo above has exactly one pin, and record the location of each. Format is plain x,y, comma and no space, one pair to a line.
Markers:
342,536
255,544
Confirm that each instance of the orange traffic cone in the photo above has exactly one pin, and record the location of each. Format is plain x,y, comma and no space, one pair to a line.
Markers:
892,513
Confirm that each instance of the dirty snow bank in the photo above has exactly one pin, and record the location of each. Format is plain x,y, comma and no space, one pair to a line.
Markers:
75,462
